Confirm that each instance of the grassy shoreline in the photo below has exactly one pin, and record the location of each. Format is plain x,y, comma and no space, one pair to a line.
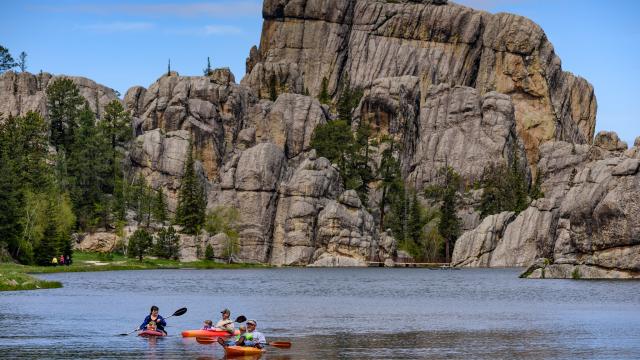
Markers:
17,277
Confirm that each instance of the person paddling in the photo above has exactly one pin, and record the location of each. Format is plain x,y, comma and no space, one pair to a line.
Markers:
225,323
154,318
250,338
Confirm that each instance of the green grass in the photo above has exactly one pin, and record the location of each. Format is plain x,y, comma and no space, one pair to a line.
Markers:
12,281
86,261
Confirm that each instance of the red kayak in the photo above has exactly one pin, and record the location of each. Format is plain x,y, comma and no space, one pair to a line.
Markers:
149,333
207,333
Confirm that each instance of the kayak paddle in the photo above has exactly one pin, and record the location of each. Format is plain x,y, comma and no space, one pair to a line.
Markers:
178,312
279,344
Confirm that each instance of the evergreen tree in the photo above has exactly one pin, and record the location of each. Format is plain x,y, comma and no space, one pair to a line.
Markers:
10,206
142,201
348,100
160,207
46,247
169,68
22,62
208,252
139,244
89,171
207,70
324,96
167,243
192,202
64,104
506,188
273,92
446,192
392,189
6,60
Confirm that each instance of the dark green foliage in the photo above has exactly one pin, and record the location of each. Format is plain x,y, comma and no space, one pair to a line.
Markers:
167,243
139,244
506,189
192,202
306,92
64,104
273,91
23,140
45,250
324,96
445,191
90,172
348,100
6,60
208,252
159,209
141,201
169,68
22,61
10,206
392,188
207,70
335,141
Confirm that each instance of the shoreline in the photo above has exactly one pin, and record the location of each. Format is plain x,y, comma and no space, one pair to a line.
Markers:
17,277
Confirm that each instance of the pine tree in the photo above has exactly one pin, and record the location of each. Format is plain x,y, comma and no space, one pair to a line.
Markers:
207,70
46,248
22,63
139,244
90,171
208,252
324,96
160,207
6,60
273,92
10,206
167,243
169,68
64,104
192,202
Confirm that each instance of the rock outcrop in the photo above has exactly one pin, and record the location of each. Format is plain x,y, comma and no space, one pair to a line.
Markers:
586,226
361,41
24,92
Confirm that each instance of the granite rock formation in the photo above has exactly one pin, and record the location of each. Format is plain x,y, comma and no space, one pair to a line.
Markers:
585,227
23,92
361,41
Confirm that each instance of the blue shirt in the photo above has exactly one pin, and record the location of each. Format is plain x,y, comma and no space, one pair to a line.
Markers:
160,323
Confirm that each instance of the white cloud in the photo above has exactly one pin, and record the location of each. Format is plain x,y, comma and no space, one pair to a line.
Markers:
118,27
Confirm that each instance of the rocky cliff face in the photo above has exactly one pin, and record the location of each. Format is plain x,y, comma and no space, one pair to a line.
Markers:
361,41
253,155
24,92
450,85
585,227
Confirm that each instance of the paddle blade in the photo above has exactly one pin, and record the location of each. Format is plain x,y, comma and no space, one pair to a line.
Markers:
280,344
206,340
180,312
241,319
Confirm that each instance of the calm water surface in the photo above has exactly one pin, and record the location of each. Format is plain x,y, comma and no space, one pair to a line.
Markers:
329,314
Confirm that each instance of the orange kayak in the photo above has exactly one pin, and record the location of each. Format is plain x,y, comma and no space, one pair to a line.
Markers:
207,333
242,351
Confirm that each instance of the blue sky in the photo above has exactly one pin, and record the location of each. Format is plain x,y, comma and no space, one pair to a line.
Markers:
121,44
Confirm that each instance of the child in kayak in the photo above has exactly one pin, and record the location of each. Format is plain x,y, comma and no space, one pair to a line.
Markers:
154,317
208,325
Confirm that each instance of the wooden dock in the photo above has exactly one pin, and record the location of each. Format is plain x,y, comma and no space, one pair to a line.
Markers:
412,265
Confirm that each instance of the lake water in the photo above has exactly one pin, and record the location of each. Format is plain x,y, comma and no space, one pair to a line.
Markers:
373,313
